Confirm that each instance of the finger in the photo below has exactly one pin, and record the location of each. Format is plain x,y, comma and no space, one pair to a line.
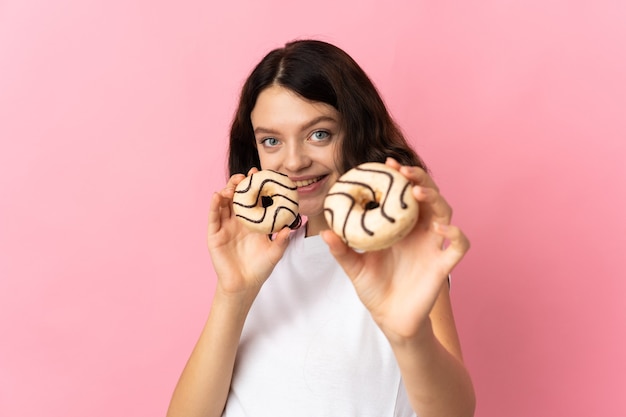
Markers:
438,206
281,236
226,208
415,174
229,189
214,214
279,243
391,162
457,248
350,261
227,193
418,176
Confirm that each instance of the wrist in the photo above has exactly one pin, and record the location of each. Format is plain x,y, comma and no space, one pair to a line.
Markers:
238,302
421,336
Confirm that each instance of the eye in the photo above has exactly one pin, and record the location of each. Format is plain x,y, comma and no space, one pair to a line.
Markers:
270,142
320,135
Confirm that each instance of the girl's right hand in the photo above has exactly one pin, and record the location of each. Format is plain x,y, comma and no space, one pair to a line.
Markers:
243,260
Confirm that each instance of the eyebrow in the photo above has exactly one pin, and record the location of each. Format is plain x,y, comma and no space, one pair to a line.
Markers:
307,125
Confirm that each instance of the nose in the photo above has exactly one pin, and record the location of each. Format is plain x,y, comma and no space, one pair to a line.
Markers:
296,158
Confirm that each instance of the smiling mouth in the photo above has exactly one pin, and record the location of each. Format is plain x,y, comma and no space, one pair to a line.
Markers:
305,183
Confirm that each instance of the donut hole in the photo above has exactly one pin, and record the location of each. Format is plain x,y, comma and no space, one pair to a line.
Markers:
368,201
266,201
371,205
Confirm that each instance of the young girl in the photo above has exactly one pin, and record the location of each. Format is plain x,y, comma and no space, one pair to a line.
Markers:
301,324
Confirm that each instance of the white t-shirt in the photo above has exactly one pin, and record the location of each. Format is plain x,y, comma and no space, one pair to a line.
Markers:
310,348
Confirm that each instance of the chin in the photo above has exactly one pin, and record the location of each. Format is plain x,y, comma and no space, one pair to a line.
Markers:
312,210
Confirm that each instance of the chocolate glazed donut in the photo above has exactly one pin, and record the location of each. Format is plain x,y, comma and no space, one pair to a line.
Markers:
371,207
267,201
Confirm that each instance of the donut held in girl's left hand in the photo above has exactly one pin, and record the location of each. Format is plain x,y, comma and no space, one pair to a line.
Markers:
267,201
371,207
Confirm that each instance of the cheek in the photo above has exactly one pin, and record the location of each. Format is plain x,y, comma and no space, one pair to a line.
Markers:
337,160
266,160
337,155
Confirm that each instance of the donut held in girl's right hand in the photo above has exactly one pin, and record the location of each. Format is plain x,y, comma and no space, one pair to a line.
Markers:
371,207
267,201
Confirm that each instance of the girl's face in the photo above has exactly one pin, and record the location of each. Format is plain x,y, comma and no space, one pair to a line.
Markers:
299,138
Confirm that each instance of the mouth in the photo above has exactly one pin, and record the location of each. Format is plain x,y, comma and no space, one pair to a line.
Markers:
306,183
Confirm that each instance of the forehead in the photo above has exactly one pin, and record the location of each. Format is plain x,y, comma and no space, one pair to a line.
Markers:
278,106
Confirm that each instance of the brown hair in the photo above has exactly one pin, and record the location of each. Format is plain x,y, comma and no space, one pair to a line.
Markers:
322,72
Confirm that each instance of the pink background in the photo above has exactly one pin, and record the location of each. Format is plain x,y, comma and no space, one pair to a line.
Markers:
113,126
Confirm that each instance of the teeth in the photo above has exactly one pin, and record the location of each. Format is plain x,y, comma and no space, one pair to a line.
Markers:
307,182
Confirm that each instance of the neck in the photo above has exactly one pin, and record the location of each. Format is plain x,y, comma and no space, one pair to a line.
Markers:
315,225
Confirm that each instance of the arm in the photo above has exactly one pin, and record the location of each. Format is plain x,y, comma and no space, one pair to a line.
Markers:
203,386
405,289
433,360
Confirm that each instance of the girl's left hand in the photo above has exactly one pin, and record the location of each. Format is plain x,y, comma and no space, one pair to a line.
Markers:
399,285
